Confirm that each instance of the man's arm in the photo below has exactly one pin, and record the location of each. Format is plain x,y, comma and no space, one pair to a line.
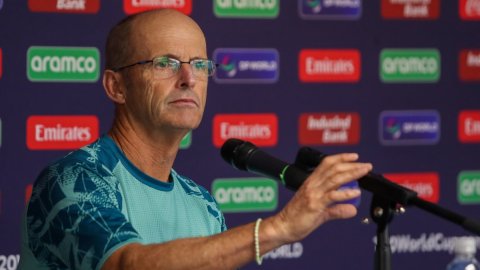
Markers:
312,205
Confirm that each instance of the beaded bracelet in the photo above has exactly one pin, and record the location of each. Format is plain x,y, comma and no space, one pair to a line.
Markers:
258,258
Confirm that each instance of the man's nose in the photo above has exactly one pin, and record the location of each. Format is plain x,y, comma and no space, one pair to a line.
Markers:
186,78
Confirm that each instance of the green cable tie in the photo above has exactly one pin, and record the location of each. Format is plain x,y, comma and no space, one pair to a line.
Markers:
282,174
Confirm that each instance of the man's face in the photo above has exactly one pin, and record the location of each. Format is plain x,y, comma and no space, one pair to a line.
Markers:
177,102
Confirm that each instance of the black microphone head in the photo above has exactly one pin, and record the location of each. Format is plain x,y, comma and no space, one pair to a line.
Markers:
308,158
237,152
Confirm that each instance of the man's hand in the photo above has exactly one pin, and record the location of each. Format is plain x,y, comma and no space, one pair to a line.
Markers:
314,203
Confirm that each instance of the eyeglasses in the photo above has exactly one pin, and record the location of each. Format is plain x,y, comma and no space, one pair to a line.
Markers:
165,67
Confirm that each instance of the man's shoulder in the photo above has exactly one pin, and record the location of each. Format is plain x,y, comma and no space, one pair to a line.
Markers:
96,157
191,187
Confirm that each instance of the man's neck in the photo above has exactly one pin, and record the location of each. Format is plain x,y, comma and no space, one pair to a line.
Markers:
152,153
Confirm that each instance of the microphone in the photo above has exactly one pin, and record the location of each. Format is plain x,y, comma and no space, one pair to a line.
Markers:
308,158
246,156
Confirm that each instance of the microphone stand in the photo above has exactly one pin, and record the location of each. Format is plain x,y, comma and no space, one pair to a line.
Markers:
388,198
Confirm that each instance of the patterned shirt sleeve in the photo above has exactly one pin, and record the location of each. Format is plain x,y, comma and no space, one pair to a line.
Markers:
74,218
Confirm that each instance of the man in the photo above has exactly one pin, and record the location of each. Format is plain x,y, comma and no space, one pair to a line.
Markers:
118,204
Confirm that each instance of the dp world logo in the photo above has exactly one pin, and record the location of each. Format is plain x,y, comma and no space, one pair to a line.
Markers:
409,127
393,128
314,5
63,64
329,9
245,194
246,65
228,66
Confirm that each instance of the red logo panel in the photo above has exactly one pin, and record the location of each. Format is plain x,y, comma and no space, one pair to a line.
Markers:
329,128
469,126
64,6
259,129
329,65
136,6
411,9
469,9
469,65
426,184
61,132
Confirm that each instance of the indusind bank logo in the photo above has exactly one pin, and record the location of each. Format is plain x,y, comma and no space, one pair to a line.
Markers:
64,6
329,128
411,9
246,65
330,9
136,6
409,127
260,129
63,64
329,65
61,132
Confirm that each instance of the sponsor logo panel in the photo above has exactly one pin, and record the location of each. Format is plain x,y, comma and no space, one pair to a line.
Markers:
9,262
411,9
469,65
330,9
67,64
245,194
28,192
246,65
64,6
469,187
318,65
186,141
260,129
288,251
352,185
469,126
469,9
409,65
136,6
329,128
61,132
423,243
246,9
426,184
409,127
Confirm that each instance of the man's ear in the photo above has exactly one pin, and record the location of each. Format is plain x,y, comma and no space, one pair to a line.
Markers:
114,86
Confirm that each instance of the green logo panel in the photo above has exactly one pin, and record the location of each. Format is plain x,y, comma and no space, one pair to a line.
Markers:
63,64
246,8
245,194
186,141
469,187
410,65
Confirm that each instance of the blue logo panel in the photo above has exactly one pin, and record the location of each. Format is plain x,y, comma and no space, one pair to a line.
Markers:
409,127
330,9
352,185
246,65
